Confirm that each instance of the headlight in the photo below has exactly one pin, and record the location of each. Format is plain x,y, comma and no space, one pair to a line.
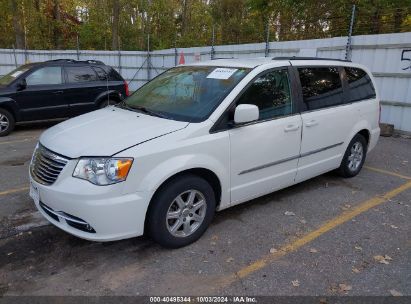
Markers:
103,171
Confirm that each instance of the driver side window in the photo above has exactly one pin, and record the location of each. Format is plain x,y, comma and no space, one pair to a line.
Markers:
270,93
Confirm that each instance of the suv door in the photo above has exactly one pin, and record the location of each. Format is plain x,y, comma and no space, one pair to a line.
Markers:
327,120
264,154
82,88
43,98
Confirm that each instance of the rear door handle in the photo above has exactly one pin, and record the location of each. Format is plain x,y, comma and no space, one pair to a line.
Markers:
58,92
290,128
311,123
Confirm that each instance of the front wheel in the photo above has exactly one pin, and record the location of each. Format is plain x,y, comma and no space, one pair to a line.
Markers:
354,157
7,122
181,211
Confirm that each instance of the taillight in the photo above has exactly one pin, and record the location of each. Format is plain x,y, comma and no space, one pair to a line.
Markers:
126,88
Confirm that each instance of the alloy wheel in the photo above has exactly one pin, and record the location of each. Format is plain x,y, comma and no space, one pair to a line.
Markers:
356,156
4,123
186,213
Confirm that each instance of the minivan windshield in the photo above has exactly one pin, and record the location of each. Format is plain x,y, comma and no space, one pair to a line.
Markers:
10,77
188,93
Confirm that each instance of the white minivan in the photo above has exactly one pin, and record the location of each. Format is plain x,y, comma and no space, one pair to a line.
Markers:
199,138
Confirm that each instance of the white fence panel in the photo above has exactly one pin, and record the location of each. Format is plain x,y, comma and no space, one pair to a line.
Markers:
388,56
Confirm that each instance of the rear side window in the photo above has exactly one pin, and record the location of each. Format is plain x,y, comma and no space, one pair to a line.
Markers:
101,74
270,93
321,87
359,84
77,74
113,75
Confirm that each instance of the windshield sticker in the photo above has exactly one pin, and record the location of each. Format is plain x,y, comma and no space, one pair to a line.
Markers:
17,74
221,73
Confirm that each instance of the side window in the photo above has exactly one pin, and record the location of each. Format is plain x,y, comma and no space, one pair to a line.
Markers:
359,84
76,74
271,94
321,87
45,76
101,74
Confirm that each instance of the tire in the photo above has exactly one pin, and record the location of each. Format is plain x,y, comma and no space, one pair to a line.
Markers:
7,122
107,102
185,225
354,157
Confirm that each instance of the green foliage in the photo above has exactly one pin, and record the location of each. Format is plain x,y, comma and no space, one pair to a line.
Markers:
53,24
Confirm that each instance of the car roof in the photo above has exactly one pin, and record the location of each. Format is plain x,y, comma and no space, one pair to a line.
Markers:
260,61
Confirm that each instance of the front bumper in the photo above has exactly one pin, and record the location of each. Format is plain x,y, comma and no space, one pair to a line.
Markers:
97,213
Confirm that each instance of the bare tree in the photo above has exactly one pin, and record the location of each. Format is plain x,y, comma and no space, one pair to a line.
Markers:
115,24
17,24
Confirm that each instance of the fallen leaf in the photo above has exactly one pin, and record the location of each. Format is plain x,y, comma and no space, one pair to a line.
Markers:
213,243
273,250
10,253
344,287
295,283
381,259
229,260
313,250
355,270
387,257
395,293
214,238
290,213
393,227
303,222
358,248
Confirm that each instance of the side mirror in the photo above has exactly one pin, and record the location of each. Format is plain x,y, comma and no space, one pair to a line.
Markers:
21,85
246,113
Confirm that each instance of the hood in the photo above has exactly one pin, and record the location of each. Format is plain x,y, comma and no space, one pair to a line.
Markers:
105,132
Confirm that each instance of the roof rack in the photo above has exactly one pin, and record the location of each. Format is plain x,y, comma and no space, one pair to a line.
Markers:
77,61
308,58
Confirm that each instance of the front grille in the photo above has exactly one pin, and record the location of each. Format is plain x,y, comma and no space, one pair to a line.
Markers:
46,165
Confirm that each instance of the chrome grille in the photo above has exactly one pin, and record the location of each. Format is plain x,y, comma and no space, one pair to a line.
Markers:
46,165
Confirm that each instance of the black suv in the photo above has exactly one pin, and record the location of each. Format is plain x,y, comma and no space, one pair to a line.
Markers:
57,89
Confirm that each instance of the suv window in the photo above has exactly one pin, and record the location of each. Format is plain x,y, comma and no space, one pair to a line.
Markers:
76,74
359,84
321,87
45,76
100,73
270,93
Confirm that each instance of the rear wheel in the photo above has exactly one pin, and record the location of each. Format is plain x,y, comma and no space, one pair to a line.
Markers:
354,157
107,102
181,211
7,122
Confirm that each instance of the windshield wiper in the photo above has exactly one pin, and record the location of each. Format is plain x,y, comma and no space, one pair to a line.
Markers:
142,109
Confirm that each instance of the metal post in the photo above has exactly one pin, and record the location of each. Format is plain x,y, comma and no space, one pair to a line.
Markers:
267,39
15,57
78,47
175,51
212,53
119,56
148,59
348,47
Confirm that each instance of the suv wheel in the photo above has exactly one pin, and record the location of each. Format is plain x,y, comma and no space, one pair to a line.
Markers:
107,102
354,157
181,211
7,122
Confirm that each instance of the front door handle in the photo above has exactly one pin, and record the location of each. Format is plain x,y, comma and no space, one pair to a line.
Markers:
58,92
311,123
290,128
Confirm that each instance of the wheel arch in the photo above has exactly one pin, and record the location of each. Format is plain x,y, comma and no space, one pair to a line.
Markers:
204,173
